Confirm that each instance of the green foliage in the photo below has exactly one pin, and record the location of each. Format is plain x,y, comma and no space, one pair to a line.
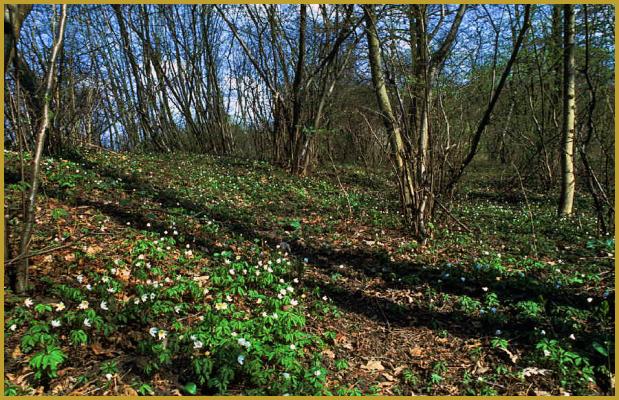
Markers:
529,309
45,363
468,304
574,370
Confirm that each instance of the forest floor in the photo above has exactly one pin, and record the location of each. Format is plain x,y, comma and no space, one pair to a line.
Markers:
186,274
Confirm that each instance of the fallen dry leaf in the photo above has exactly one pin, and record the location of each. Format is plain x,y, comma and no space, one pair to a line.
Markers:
91,250
390,378
129,391
416,351
16,352
329,353
373,365
529,371
399,370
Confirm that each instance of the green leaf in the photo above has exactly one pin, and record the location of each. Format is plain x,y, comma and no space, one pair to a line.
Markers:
600,349
190,388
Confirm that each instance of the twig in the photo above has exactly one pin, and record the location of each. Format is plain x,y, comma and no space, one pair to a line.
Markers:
37,253
52,249
384,316
448,213
337,175
526,200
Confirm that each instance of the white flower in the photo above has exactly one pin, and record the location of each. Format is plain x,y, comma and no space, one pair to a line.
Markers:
290,289
197,344
87,322
244,343
177,309
240,359
113,271
60,306
294,302
136,301
231,271
226,261
279,296
13,327
286,375
83,305
89,287
283,292
295,280
108,376
152,296
546,353
325,298
28,302
498,332
572,337
221,306
293,347
279,260
317,372
79,278
162,334
264,314
148,224
144,297
111,290
269,269
275,315
105,279
55,323
153,331
485,289
589,299
103,306
258,301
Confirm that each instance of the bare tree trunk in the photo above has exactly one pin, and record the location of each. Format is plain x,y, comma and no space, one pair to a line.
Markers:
294,130
22,267
405,181
14,16
568,182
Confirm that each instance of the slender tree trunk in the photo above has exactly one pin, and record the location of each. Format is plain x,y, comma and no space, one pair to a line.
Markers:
295,125
568,182
22,267
393,130
14,16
